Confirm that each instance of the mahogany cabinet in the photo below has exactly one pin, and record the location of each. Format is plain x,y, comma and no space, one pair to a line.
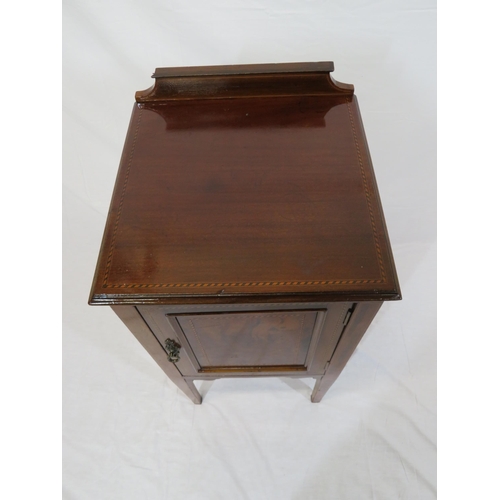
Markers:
245,235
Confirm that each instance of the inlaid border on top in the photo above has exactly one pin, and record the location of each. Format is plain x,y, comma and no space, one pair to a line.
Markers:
251,283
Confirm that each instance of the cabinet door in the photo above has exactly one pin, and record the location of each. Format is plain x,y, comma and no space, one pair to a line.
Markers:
258,342
249,341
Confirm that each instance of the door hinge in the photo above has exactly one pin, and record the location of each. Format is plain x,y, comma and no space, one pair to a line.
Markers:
348,315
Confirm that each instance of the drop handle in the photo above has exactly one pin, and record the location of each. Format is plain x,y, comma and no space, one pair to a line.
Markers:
172,348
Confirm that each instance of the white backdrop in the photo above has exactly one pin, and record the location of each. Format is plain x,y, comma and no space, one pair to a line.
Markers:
128,433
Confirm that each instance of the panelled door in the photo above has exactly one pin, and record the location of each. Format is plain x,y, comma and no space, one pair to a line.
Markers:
231,343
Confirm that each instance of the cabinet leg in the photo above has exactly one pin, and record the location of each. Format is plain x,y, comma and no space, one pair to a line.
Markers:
354,331
136,324
320,388
189,390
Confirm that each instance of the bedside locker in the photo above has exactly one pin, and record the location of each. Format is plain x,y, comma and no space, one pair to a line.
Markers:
245,235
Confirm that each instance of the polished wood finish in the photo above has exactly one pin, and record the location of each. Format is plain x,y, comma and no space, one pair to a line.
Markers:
250,81
245,69
224,340
246,224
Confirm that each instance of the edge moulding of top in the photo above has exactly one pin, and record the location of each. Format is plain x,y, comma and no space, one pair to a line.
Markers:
247,80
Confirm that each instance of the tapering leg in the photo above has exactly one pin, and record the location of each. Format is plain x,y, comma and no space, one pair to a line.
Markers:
360,321
134,322
320,388
193,393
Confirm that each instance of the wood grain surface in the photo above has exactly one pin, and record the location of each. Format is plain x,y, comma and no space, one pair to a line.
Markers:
245,197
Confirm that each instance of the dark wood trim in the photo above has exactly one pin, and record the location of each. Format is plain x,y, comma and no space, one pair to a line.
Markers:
245,312
245,69
389,258
254,369
226,298
285,374
252,80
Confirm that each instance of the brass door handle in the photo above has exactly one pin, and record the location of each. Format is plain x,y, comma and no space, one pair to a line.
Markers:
172,348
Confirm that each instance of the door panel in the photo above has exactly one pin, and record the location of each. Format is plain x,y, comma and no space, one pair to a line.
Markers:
261,339
237,340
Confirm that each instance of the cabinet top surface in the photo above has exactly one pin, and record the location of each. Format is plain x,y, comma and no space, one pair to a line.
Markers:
233,194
